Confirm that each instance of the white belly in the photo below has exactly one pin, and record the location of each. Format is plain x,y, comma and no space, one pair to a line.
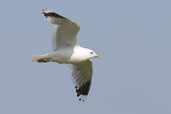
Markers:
68,56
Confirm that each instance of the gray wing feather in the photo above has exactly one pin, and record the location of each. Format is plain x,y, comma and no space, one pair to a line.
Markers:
65,30
82,76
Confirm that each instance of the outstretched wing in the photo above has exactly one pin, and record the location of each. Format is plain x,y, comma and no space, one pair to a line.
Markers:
82,76
65,30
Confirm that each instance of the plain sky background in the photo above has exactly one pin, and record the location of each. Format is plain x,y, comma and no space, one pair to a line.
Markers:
132,36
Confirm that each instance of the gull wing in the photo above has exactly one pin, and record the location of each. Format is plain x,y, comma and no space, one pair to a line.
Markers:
82,76
65,30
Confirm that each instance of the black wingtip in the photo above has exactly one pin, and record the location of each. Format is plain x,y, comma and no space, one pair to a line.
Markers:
43,11
45,14
48,13
83,90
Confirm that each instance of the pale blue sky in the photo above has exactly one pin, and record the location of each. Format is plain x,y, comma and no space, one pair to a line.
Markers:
132,36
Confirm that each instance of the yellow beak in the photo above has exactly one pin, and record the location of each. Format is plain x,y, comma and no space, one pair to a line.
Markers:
98,56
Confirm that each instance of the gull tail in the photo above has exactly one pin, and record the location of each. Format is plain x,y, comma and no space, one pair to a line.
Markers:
39,58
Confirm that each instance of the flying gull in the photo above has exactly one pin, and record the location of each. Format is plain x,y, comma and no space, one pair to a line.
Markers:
66,50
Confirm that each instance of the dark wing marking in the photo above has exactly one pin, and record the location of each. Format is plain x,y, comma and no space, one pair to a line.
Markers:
53,14
83,89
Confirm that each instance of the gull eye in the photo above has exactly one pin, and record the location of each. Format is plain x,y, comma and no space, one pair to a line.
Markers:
91,52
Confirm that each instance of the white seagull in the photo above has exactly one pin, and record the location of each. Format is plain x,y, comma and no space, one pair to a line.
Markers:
68,51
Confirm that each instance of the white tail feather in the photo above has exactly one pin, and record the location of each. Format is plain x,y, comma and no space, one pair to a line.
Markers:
39,57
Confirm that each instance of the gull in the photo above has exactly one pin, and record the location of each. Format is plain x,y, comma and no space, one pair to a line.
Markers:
66,50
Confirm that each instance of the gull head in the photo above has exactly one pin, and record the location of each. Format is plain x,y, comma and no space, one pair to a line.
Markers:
92,54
